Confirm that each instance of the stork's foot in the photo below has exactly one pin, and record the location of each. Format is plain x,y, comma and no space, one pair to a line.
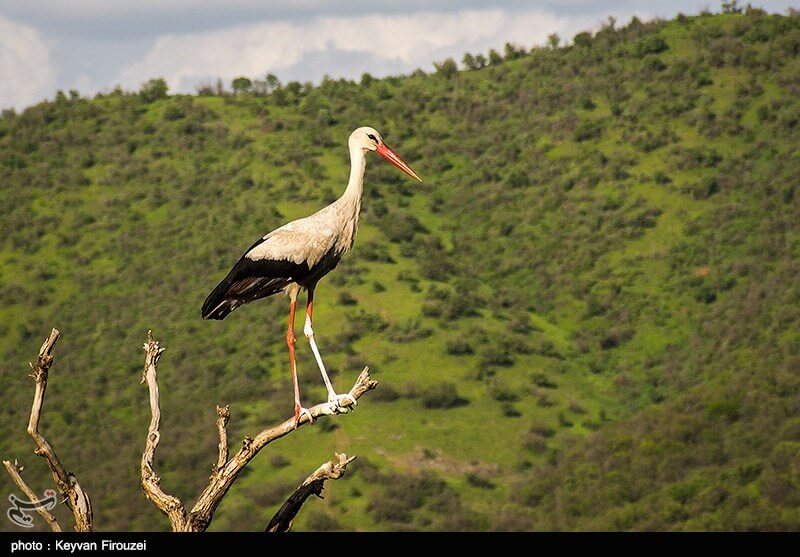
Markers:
338,401
299,411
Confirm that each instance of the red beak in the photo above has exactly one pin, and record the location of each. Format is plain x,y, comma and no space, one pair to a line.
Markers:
395,160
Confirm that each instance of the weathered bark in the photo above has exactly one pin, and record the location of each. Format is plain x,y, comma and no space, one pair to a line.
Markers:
151,483
77,500
313,485
225,471
223,415
15,471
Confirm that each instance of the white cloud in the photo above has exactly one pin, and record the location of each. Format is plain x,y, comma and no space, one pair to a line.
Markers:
27,73
94,9
410,40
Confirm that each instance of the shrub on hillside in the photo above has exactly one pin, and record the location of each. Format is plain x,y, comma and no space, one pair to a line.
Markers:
651,44
408,330
588,129
442,395
153,89
458,347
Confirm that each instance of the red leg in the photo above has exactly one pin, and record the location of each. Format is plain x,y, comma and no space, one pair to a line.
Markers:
290,344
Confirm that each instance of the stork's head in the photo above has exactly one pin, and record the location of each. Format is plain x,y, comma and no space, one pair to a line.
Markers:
369,139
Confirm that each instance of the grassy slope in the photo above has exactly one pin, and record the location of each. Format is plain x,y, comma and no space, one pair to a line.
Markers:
607,230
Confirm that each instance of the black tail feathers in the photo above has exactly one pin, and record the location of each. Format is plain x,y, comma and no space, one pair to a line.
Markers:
247,281
217,306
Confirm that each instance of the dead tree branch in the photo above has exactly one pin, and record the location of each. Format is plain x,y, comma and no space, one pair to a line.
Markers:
14,470
151,483
313,485
77,500
225,472
223,415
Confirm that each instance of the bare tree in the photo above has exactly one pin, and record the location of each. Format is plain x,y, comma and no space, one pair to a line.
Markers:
77,500
225,471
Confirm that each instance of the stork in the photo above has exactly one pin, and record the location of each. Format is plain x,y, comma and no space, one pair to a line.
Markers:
298,254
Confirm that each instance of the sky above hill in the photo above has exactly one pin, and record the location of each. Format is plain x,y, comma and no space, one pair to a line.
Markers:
93,45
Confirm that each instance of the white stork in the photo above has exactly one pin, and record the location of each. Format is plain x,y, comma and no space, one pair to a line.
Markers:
298,254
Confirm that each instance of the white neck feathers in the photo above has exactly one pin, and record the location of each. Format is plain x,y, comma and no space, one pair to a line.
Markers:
351,199
358,163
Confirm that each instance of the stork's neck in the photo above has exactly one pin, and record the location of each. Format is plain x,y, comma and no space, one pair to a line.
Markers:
355,185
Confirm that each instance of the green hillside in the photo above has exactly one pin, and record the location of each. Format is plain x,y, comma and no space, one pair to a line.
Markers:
586,317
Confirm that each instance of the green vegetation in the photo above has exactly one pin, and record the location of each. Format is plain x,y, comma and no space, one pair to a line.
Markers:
586,317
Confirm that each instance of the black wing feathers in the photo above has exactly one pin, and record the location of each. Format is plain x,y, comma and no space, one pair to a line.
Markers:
250,280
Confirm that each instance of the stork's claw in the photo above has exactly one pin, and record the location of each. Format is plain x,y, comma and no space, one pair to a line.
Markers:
336,401
299,411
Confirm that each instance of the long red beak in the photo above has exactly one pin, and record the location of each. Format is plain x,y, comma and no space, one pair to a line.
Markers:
395,160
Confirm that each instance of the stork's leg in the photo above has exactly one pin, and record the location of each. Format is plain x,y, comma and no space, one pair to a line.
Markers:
333,398
298,410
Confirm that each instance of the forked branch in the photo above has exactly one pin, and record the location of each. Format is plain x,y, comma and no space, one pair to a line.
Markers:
226,470
77,500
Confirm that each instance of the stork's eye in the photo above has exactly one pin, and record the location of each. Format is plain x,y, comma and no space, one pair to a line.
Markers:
372,137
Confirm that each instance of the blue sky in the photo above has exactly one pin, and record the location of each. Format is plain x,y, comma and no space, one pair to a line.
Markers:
93,45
